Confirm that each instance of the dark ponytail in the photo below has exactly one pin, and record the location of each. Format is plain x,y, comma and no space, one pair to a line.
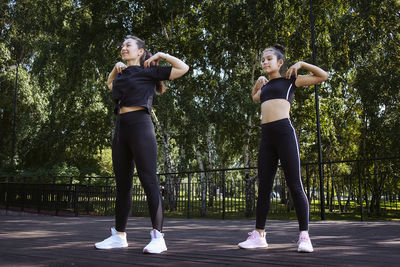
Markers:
160,86
279,52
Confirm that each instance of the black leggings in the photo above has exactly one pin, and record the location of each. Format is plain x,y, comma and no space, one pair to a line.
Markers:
279,141
136,144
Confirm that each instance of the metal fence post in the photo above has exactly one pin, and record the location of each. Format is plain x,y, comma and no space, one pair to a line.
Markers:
39,199
360,191
57,201
223,194
23,194
7,195
76,200
106,189
189,194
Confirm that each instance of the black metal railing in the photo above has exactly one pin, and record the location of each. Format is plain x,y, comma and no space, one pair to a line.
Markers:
362,187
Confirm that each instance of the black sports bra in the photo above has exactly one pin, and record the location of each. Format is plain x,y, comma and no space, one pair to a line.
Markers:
279,88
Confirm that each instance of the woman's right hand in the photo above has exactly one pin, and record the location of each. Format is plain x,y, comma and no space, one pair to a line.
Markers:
261,81
119,67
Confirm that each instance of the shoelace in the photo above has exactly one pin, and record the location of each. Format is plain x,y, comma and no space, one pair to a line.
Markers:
303,238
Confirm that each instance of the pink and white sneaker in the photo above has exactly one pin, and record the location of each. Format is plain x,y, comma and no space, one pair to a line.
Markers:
114,241
157,243
304,243
255,240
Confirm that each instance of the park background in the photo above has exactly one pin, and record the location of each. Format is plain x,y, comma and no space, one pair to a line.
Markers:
57,120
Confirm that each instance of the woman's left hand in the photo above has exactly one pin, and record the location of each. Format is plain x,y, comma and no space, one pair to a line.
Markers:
155,58
293,70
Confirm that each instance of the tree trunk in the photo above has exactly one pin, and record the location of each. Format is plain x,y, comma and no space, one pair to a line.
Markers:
378,189
332,204
351,192
249,179
169,193
339,198
203,184
327,191
314,186
210,157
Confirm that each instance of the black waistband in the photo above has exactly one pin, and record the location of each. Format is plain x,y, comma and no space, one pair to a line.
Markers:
137,115
277,122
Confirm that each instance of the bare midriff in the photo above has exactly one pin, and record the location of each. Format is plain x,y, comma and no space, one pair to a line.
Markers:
130,109
274,110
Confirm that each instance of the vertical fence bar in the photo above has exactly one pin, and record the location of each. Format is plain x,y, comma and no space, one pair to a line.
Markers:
57,201
76,199
7,193
360,191
88,194
106,201
223,194
189,192
38,198
308,191
230,196
23,194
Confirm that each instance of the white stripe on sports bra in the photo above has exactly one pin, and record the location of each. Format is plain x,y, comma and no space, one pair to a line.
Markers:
288,91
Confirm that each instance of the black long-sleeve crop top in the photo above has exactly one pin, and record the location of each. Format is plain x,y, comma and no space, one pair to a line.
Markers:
280,88
136,85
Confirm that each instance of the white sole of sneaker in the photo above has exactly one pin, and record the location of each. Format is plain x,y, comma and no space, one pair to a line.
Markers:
110,248
145,251
253,247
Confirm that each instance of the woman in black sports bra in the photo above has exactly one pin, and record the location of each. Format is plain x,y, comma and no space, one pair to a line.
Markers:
279,141
134,144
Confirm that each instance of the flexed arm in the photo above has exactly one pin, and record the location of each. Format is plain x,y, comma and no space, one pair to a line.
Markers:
118,68
179,68
318,75
256,92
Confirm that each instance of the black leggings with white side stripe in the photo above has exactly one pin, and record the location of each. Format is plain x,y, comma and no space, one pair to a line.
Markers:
279,142
135,144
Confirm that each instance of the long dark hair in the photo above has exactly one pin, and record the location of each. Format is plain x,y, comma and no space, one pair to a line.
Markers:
160,86
279,52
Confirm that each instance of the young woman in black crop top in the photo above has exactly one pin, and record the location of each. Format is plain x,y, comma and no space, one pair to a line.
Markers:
133,87
279,141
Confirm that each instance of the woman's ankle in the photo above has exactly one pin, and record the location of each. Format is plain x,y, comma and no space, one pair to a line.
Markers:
261,232
121,234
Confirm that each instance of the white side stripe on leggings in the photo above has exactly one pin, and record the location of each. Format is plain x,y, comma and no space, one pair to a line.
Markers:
298,156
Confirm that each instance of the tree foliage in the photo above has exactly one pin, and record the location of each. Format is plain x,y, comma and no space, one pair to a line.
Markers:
65,50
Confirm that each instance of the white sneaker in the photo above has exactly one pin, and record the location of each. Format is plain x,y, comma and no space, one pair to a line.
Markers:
157,243
304,242
114,241
255,240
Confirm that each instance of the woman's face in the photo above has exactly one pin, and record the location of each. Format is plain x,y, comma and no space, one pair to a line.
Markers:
270,63
130,51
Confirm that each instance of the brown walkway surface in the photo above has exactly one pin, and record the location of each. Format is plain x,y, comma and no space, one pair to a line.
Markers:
68,241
